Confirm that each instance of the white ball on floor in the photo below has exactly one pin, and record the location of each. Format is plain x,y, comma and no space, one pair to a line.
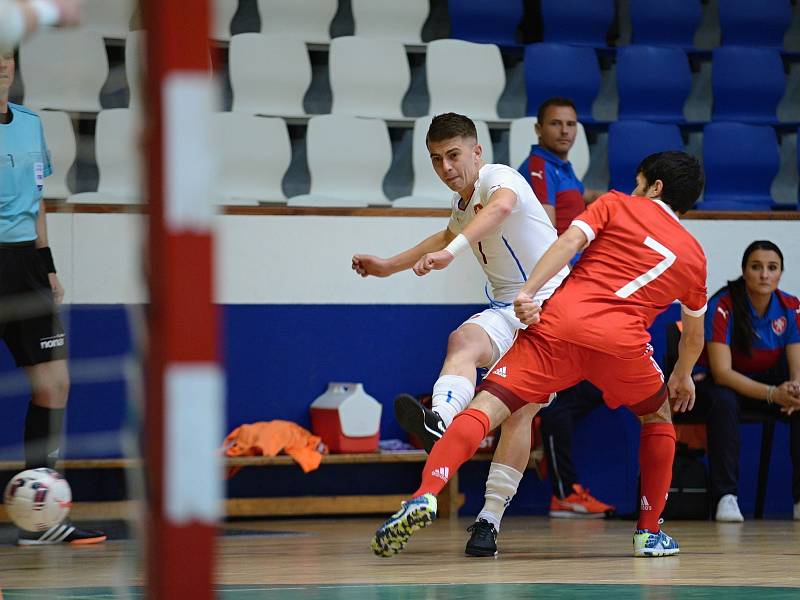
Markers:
37,499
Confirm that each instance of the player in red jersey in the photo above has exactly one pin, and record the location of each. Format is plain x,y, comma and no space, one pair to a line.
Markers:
637,259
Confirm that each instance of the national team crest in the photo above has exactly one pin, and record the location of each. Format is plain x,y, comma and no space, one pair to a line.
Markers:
477,208
779,325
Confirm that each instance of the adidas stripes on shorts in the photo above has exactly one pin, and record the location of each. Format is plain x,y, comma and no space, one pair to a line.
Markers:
538,364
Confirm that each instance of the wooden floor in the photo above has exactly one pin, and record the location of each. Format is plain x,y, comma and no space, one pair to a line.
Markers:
552,557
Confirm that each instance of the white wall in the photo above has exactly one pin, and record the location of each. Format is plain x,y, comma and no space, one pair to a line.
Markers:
302,259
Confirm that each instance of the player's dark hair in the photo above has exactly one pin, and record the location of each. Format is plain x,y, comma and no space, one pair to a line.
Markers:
554,101
449,125
681,175
743,333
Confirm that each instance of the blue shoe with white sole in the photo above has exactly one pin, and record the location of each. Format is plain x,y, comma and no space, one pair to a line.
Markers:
415,514
646,543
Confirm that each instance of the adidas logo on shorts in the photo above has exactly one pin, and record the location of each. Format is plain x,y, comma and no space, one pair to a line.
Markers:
501,372
442,473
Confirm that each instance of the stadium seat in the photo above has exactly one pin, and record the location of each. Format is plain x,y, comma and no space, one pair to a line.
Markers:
310,20
109,18
629,142
577,21
255,154
390,20
262,85
660,23
465,78
60,138
522,136
134,62
747,83
117,152
485,22
428,190
748,23
368,76
653,83
348,159
64,70
562,70
223,12
740,162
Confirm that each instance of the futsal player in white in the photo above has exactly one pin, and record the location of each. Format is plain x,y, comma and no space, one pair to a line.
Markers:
497,216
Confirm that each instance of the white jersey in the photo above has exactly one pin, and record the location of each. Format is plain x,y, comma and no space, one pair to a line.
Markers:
509,254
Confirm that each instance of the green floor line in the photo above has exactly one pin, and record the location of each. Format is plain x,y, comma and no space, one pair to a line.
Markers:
486,591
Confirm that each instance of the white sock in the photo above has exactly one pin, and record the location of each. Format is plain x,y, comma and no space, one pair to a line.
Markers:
451,395
501,486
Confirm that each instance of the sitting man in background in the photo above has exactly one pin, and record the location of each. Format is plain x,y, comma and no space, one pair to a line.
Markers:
563,196
547,169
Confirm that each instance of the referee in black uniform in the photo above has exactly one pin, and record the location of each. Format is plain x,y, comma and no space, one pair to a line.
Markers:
30,292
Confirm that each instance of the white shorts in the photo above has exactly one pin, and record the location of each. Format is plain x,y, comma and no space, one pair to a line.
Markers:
501,324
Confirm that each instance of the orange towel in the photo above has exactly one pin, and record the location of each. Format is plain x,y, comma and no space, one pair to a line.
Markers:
268,438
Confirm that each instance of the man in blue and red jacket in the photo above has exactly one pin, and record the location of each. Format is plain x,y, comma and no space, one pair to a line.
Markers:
547,169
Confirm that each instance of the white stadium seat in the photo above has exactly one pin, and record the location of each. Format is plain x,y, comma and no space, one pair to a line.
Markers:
118,162
390,19
348,158
109,18
223,12
64,70
255,153
428,190
134,61
310,20
369,77
60,137
263,85
522,136
465,78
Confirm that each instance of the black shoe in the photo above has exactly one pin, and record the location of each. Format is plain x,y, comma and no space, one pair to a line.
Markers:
418,420
483,541
63,533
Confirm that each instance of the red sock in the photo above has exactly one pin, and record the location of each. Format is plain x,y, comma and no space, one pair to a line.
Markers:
656,451
458,444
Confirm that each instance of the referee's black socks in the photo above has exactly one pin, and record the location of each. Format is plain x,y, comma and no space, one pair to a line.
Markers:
42,436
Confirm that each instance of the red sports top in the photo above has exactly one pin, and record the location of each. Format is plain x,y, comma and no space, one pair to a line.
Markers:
640,259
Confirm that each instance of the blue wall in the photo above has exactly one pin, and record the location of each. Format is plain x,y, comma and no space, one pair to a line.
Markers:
280,357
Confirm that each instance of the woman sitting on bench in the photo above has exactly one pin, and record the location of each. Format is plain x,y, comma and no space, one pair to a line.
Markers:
753,354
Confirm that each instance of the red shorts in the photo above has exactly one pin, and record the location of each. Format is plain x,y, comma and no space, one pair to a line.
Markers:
538,364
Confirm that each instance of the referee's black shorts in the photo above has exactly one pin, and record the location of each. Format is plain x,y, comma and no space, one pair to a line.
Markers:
29,323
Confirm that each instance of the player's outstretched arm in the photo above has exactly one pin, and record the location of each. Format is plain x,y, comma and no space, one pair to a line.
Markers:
681,384
556,258
485,222
367,264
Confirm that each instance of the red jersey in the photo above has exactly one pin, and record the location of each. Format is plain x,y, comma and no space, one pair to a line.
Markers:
639,260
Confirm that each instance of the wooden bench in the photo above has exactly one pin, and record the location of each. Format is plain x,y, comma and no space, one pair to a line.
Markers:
450,500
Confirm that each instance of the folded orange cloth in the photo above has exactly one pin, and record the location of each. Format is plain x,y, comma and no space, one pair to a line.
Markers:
268,438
